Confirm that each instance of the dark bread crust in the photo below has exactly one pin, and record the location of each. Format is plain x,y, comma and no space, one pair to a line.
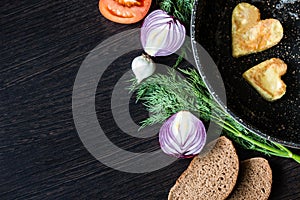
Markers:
254,181
209,176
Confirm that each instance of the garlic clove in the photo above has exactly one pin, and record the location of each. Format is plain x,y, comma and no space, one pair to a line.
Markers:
142,67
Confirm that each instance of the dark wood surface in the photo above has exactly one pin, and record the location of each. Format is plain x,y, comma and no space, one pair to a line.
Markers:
43,44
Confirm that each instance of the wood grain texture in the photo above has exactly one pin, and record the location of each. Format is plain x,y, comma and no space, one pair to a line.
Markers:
43,44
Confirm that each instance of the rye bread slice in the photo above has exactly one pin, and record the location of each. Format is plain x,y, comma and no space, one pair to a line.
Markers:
254,180
209,176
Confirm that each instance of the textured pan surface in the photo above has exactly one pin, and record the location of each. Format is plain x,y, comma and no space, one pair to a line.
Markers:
211,27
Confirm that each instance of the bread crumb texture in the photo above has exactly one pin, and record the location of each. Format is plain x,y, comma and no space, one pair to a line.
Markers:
209,176
254,181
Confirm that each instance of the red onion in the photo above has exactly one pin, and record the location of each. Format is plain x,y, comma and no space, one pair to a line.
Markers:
161,34
183,135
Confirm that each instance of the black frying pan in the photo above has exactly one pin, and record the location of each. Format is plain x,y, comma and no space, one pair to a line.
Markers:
279,120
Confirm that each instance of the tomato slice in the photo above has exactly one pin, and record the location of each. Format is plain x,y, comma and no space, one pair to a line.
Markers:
124,11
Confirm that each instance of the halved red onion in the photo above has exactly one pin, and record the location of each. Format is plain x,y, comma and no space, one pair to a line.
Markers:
161,34
183,135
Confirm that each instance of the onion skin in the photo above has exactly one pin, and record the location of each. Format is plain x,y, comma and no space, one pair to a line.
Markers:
161,34
183,135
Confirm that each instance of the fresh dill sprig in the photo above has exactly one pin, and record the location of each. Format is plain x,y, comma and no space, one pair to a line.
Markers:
162,98
165,95
180,9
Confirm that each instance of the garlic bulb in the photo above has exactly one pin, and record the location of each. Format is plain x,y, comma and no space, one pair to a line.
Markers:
183,135
142,67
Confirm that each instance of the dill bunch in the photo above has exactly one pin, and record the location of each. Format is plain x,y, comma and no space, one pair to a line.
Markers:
180,9
166,94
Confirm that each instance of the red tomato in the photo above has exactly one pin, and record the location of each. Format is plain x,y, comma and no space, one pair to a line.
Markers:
124,11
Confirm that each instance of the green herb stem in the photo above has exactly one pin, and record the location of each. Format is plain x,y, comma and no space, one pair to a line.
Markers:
296,158
163,96
282,152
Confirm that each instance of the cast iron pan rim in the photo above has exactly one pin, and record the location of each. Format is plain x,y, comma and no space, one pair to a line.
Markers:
217,99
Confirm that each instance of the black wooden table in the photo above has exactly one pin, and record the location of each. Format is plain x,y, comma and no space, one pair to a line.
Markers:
43,44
